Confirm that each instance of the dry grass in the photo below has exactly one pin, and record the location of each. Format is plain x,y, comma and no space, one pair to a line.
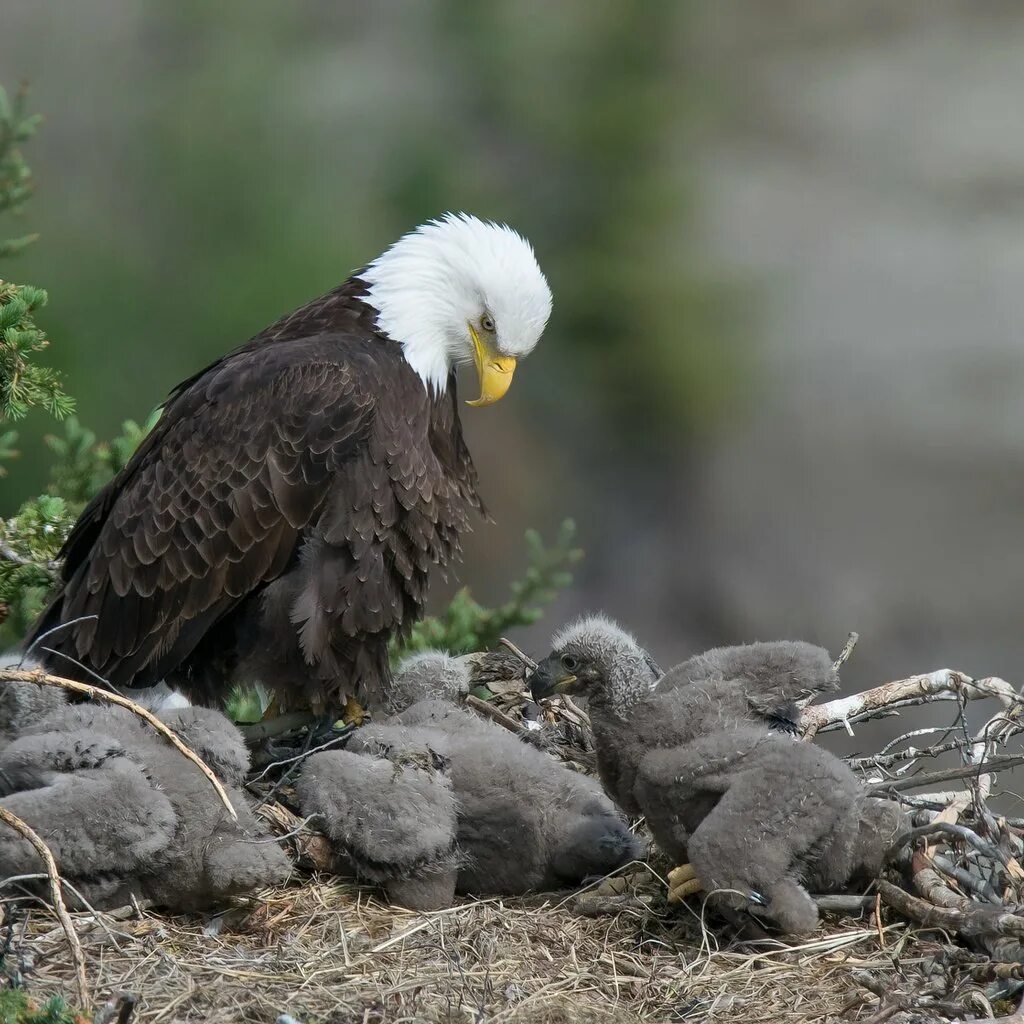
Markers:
328,950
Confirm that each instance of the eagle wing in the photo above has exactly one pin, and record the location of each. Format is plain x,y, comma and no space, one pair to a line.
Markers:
213,503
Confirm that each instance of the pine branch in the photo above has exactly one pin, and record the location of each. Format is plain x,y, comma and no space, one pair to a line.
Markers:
83,464
16,126
29,543
467,626
31,540
24,384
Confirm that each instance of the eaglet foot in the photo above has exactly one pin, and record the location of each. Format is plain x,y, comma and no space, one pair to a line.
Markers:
683,882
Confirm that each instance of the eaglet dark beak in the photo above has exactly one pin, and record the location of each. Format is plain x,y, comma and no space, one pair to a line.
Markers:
550,679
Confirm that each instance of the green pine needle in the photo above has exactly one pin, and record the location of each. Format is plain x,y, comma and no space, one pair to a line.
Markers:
17,1007
83,465
468,626
24,384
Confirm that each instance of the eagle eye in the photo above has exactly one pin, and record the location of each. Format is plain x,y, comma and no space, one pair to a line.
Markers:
487,323
569,663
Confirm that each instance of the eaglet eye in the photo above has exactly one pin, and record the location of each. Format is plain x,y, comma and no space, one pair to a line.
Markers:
487,323
569,663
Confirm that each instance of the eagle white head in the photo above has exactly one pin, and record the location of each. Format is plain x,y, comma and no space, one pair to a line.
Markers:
460,290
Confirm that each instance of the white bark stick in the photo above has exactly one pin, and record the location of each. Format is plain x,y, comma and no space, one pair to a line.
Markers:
943,684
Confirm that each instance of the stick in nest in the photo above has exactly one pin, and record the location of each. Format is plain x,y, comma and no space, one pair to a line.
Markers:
844,654
494,714
944,684
954,831
999,764
95,693
57,898
521,655
978,921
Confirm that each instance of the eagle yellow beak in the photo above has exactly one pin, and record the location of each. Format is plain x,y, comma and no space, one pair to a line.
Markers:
495,371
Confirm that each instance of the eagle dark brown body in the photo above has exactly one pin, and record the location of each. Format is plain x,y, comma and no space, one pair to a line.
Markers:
279,523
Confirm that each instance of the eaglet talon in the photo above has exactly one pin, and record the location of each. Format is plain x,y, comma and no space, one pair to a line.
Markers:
683,882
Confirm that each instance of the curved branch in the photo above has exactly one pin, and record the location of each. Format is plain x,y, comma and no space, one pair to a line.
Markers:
57,898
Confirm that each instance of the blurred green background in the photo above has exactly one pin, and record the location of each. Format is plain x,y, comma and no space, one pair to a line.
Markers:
780,389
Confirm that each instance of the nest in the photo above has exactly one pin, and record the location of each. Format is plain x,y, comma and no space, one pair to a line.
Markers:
941,937
327,950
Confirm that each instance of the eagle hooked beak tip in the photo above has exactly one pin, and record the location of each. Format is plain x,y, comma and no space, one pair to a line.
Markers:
494,370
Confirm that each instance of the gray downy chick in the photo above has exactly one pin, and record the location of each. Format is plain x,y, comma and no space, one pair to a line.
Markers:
125,813
94,806
437,675
757,814
765,683
524,822
428,675
393,816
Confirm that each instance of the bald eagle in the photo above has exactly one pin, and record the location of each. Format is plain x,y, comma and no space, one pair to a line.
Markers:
281,520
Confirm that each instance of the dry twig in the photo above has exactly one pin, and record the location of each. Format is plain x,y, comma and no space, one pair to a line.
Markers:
57,899
521,655
495,714
968,771
844,654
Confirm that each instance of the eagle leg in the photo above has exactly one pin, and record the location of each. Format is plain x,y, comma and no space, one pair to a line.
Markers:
683,882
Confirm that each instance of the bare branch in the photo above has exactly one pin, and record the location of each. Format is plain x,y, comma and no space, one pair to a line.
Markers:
581,715
57,899
950,829
521,655
999,764
882,761
977,921
8,554
965,879
944,684
59,628
844,654
342,737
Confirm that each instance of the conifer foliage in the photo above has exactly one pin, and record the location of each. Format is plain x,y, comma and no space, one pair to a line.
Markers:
29,541
24,383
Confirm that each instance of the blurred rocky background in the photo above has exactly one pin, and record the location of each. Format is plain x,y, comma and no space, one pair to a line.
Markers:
781,390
